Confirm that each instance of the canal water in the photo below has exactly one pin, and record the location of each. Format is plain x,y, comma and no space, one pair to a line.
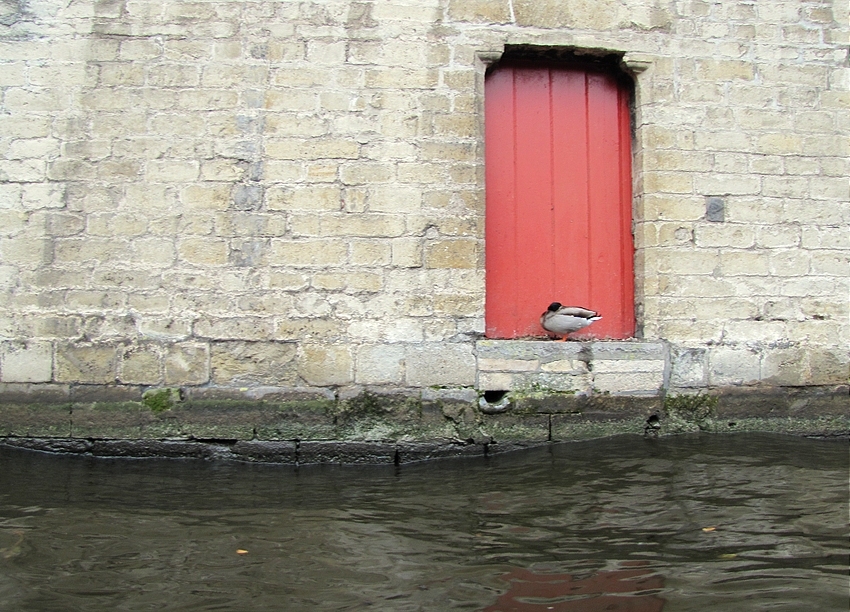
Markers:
693,523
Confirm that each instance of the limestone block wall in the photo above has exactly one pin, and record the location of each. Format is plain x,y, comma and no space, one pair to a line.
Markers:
249,194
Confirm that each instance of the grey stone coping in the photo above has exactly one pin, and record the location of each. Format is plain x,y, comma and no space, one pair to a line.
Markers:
549,350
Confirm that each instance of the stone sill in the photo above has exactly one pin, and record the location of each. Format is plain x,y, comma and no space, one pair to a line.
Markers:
631,368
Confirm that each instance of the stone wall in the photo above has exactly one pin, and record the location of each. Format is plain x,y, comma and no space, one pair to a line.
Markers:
242,195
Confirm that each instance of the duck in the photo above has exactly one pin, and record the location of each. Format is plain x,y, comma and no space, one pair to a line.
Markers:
563,320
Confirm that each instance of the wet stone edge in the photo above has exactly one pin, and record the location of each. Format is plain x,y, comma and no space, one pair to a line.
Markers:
393,428
325,452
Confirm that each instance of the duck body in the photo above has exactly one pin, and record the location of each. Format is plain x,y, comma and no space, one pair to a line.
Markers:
563,320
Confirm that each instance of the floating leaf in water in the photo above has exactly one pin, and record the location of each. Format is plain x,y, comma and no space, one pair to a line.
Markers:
15,549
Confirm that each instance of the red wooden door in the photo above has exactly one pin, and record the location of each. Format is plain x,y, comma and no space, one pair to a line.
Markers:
559,199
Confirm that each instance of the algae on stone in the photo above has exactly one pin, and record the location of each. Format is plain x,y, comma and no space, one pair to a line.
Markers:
689,412
161,400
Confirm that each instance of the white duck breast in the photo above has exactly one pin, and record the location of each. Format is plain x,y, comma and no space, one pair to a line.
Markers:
563,320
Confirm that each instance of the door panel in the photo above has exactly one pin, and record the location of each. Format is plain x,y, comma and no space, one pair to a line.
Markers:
558,220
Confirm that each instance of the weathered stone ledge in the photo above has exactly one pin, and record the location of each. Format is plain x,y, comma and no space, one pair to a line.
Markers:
264,451
303,426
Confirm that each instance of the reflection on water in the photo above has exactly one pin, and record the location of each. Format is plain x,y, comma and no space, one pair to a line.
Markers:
739,522
632,590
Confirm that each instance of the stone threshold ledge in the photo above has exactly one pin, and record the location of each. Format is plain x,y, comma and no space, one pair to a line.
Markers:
627,368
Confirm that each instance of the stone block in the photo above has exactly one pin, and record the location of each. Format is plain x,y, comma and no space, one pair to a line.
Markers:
203,251
457,305
111,224
450,396
403,329
628,350
460,253
297,419
106,420
369,253
362,225
136,49
207,99
688,367
27,251
401,77
252,363
685,261
550,403
241,328
307,329
308,252
91,364
217,420
507,365
778,237
141,365
600,423
724,70
26,363
304,198
557,382
263,451
344,453
223,170
834,263
628,383
602,15
733,366
164,328
565,366
394,198
187,363
786,367
495,381
668,182
14,74
746,263
325,365
379,364
152,250
317,148
755,332
628,366
725,236
829,188
410,452
515,428
447,364
360,282
544,351
18,99
172,171
35,419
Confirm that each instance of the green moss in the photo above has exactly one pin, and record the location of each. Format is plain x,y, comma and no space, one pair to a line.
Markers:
698,405
364,405
689,412
370,405
161,400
